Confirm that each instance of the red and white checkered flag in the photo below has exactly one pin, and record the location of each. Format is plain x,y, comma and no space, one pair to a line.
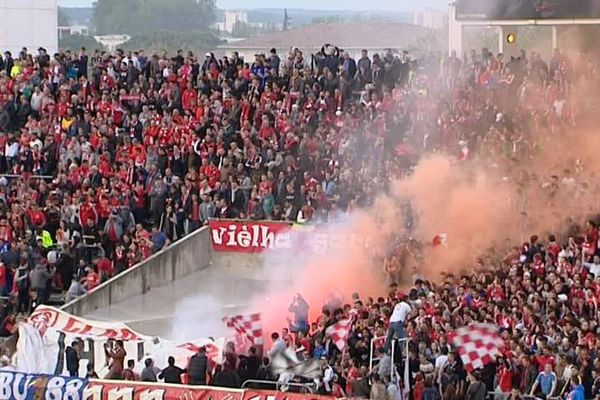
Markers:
248,325
476,344
340,331
213,352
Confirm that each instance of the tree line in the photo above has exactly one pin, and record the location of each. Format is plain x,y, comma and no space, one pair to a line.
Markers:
135,17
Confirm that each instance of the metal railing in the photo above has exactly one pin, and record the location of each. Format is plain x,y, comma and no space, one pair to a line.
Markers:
404,342
304,387
504,396
15,176
372,359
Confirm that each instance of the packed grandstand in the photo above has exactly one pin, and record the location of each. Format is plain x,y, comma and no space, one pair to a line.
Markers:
109,158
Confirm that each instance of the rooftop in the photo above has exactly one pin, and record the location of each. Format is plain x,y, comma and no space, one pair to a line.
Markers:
344,35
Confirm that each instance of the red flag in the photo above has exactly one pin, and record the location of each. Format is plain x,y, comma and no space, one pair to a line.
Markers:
441,239
405,149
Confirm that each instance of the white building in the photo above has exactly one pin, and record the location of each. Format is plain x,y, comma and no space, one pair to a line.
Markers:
430,18
28,23
73,30
232,17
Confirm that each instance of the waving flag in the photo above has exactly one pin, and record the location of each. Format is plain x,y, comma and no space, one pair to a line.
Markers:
340,331
248,325
476,344
286,361
441,239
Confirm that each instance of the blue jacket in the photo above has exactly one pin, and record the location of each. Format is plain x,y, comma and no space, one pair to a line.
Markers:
319,352
577,393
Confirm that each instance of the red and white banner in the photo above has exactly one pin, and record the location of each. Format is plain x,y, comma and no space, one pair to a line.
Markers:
259,236
250,394
43,339
114,390
130,97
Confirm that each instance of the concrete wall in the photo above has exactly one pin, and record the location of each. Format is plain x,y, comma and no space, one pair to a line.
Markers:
235,260
189,255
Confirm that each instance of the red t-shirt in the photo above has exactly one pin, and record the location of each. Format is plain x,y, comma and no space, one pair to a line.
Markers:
266,132
187,97
505,379
554,249
336,391
37,218
92,280
87,211
539,268
6,233
353,374
542,360
106,266
2,275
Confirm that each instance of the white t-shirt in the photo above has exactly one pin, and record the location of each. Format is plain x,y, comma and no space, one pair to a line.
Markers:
594,268
440,363
328,378
401,311
36,101
278,345
568,372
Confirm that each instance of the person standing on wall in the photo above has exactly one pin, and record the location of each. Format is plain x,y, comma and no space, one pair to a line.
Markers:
72,356
198,368
401,311
116,353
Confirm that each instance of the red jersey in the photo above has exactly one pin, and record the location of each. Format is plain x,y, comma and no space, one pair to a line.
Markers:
92,280
2,276
105,266
541,361
505,379
6,233
87,211
37,217
187,97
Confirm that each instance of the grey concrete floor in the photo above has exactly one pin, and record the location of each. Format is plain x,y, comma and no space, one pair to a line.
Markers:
192,307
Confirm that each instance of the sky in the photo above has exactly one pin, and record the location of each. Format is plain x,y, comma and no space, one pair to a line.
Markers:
385,5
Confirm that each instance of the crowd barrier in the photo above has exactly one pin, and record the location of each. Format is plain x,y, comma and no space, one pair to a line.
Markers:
25,177
303,388
373,359
506,396
114,390
17,385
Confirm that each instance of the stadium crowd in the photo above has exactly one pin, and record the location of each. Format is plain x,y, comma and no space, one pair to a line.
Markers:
109,158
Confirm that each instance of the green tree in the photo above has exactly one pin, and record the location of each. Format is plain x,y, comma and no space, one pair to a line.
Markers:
63,18
331,19
146,16
172,41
